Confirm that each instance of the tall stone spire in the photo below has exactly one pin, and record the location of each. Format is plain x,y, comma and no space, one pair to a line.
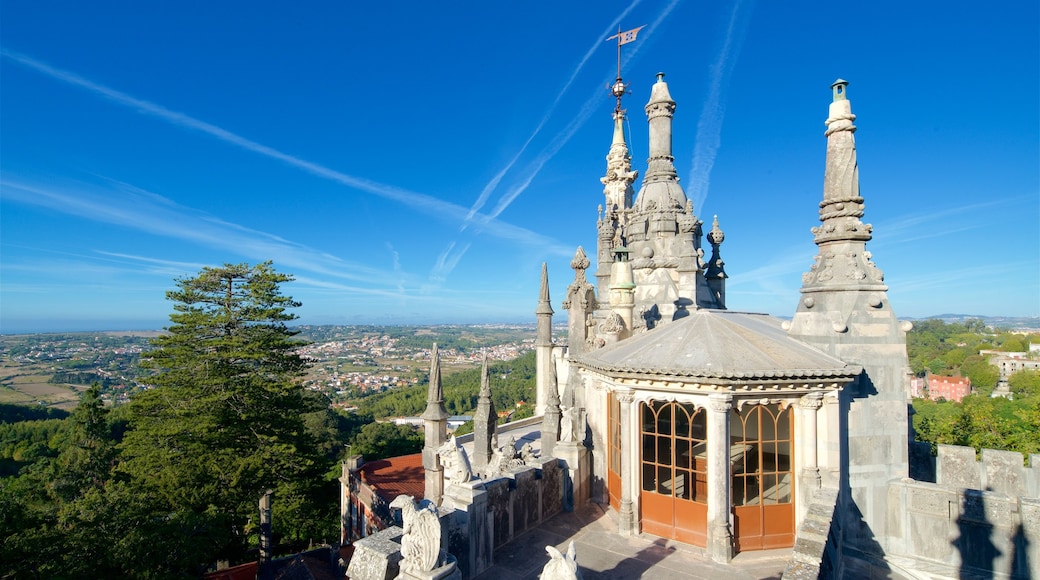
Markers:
543,344
484,421
844,311
617,189
435,426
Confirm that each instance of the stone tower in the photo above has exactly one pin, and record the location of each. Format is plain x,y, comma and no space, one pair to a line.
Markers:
844,311
435,426
661,231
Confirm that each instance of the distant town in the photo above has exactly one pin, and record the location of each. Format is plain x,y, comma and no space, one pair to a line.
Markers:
347,361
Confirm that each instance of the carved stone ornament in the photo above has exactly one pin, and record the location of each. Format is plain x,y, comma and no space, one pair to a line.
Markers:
561,566
455,462
720,403
614,324
812,401
421,543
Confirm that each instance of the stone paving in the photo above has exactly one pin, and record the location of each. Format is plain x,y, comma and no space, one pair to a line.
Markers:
602,553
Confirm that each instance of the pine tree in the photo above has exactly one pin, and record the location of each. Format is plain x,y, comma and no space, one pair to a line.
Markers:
223,422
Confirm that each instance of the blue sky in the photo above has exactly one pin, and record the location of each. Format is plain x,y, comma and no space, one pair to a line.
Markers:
418,161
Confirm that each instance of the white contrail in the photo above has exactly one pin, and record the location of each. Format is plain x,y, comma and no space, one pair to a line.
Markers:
493,184
576,123
709,127
427,204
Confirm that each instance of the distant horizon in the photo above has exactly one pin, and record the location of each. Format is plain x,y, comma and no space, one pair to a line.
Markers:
529,322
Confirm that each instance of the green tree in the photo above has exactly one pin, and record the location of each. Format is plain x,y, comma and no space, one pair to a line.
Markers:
225,421
382,440
983,375
1024,384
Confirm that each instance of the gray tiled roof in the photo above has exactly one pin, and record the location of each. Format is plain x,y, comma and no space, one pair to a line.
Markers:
718,344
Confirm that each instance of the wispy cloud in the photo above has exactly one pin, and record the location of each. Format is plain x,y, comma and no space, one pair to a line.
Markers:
127,206
426,204
709,126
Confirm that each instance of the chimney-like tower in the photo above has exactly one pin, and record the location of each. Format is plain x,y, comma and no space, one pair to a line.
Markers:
844,311
543,344
435,426
484,421
662,232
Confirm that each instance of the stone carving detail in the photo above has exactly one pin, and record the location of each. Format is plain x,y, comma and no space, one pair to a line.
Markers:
455,462
812,401
421,543
720,404
507,458
561,566
614,324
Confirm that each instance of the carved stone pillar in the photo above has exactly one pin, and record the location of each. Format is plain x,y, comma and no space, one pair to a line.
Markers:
627,521
808,406
720,534
809,479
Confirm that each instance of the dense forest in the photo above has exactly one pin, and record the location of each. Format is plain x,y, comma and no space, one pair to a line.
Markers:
511,382
979,421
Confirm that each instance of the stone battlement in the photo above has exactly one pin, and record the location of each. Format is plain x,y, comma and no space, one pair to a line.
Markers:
998,471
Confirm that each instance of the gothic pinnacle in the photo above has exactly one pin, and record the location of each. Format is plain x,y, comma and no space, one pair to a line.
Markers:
435,396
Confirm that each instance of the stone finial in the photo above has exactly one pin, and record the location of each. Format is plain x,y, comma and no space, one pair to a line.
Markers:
716,235
580,263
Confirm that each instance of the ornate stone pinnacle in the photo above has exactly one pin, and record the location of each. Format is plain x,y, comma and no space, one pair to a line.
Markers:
716,236
580,261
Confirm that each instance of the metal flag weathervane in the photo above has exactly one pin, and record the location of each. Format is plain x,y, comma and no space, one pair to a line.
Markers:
619,87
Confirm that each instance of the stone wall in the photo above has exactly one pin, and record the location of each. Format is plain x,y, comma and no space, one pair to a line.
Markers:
980,519
816,552
999,471
484,515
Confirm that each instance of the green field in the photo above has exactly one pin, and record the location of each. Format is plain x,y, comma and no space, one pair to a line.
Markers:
27,385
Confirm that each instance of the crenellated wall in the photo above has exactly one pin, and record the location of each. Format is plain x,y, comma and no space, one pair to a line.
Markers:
476,517
980,518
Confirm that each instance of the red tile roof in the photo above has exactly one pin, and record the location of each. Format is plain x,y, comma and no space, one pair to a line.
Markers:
395,476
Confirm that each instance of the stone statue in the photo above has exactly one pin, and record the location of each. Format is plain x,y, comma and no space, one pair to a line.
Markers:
455,462
568,424
527,456
561,566
421,543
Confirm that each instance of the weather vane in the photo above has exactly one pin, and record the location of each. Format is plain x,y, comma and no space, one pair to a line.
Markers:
619,88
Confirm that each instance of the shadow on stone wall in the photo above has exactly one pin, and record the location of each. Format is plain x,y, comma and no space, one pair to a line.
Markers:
975,539
1020,554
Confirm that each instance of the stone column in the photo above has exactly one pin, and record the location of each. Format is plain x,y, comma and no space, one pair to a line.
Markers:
627,521
809,478
720,534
